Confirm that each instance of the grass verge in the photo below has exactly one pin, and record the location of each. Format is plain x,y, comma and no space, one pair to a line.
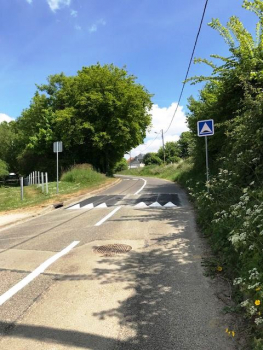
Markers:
79,180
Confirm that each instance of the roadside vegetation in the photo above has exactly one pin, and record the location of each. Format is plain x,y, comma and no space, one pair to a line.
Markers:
79,180
230,206
173,172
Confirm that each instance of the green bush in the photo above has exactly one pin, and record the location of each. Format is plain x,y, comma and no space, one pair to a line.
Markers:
121,165
151,158
82,173
3,169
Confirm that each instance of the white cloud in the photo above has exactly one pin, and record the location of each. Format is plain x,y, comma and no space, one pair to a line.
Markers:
57,4
74,13
29,1
161,118
5,118
102,22
94,26
78,27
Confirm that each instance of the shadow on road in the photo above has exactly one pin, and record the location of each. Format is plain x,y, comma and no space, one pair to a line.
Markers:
166,309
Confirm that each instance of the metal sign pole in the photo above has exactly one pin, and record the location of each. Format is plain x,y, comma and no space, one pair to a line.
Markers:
57,170
207,168
57,147
206,128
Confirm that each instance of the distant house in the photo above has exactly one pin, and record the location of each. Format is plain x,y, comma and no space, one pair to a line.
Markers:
136,162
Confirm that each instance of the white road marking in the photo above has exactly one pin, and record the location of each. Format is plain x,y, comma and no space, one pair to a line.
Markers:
76,206
141,205
16,288
170,205
155,205
145,182
107,216
102,205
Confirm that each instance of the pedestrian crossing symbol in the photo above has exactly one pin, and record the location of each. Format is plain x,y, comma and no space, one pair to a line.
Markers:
205,127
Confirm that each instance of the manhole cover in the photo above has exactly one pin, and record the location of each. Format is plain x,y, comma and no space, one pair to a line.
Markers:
112,249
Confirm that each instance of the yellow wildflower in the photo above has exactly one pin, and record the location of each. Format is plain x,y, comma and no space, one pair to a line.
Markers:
233,333
227,330
219,268
257,302
259,313
258,288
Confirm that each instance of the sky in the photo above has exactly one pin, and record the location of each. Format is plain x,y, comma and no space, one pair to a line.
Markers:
152,38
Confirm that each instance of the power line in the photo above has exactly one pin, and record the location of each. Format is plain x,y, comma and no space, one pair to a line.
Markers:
197,36
149,144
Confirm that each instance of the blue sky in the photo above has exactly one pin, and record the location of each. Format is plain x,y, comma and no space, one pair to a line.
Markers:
152,38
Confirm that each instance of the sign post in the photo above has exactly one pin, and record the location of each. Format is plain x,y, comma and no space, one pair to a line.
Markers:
57,147
206,128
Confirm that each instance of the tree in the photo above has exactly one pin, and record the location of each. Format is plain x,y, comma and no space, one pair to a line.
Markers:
171,152
184,144
10,145
121,165
152,158
233,98
3,169
99,115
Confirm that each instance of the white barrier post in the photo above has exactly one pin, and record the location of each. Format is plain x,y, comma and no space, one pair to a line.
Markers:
22,188
46,184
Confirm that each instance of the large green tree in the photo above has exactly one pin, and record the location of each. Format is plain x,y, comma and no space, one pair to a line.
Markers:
99,114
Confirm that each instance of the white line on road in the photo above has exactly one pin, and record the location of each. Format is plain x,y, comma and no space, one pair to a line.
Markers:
16,288
145,182
107,216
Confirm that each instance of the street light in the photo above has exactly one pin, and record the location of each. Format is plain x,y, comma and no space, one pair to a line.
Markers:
163,144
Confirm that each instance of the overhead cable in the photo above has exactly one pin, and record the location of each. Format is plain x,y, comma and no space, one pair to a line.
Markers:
197,36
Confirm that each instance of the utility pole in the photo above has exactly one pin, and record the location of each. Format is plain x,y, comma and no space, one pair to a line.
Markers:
163,147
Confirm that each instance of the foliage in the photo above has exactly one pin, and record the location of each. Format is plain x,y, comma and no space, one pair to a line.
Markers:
151,158
184,144
171,152
3,169
172,172
99,115
82,174
10,144
229,206
121,165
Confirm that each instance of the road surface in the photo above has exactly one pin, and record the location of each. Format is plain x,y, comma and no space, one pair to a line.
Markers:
62,287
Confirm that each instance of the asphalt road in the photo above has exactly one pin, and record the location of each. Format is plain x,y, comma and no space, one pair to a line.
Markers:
152,297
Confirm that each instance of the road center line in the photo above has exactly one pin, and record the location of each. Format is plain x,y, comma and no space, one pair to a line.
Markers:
16,288
107,216
145,182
